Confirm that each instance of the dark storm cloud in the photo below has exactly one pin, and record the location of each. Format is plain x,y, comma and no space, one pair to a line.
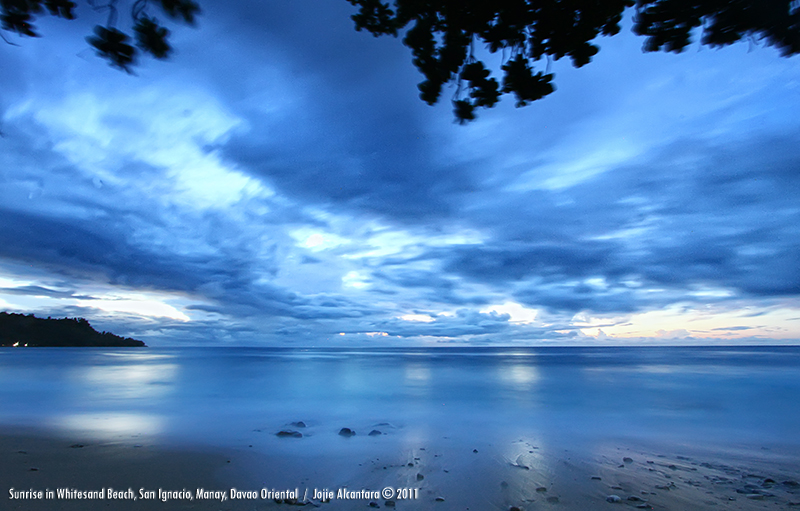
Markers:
729,219
357,137
79,249
690,215
506,262
581,297
257,301
399,185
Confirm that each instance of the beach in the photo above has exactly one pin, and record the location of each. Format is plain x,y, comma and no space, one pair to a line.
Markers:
441,474
499,429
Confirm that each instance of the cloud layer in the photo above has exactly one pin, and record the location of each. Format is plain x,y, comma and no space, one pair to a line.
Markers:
279,182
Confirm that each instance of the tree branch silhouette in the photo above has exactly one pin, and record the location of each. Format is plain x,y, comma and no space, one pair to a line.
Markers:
109,42
442,33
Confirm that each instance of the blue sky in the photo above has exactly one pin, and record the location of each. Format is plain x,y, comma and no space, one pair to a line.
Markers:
279,182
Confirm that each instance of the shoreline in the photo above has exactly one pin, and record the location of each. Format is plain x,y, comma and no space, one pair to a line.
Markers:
441,474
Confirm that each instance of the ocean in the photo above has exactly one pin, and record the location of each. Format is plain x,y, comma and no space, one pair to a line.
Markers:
720,397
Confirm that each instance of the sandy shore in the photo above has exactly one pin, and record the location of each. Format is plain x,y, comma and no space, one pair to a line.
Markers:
444,474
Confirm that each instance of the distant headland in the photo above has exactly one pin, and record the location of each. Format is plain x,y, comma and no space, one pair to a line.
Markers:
20,330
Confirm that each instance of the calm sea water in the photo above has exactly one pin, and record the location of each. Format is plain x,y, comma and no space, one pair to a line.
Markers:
748,396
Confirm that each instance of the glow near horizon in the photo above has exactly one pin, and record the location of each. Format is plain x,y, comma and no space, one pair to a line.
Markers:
743,321
779,322
108,299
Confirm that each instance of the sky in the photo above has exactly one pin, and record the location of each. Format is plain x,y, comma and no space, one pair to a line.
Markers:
278,182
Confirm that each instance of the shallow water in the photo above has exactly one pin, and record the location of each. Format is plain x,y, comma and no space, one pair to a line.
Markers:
225,396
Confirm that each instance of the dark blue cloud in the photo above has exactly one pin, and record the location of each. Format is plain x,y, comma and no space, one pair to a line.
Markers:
693,214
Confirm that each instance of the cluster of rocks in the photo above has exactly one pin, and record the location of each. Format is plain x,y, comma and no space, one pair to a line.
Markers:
762,491
747,485
293,433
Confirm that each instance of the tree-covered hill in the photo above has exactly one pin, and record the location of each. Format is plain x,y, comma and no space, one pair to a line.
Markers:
30,331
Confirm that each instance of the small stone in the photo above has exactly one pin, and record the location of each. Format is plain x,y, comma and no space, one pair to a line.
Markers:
374,432
672,467
616,487
474,450
34,469
634,498
299,424
662,487
76,446
644,506
346,432
597,478
439,499
410,464
389,503
420,477
289,433
541,489
627,460
755,496
552,500
514,508
373,504
793,484
503,484
613,499
650,461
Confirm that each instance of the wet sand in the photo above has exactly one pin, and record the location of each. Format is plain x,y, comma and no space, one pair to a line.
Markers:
441,474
